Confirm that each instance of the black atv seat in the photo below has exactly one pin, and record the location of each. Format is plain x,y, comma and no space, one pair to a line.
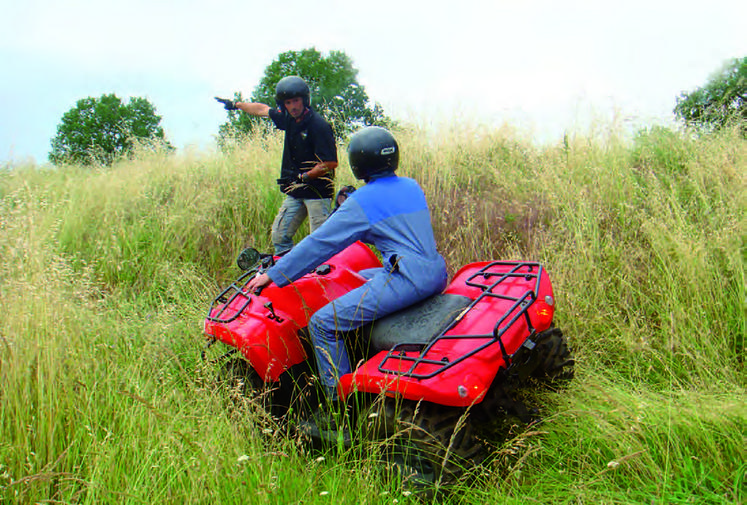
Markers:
417,325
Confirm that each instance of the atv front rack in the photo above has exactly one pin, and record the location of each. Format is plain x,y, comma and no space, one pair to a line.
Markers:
489,278
227,297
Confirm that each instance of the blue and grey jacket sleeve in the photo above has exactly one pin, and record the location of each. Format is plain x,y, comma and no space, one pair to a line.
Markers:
341,229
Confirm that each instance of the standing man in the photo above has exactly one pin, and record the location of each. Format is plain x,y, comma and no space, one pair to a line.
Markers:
307,175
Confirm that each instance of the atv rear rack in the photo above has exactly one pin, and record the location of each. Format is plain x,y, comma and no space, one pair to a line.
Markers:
487,279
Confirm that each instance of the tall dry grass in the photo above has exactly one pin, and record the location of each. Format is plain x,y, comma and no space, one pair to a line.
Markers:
106,274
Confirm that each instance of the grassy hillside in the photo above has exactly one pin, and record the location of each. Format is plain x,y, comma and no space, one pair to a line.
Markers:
106,275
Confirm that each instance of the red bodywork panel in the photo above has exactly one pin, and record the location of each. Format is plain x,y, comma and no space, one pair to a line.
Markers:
270,342
440,373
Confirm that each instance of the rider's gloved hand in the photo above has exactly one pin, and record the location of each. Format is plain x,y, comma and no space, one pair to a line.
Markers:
227,104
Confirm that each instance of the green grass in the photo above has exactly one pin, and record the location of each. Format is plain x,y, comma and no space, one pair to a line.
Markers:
106,275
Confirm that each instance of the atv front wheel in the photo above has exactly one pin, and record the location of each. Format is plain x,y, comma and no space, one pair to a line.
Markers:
238,376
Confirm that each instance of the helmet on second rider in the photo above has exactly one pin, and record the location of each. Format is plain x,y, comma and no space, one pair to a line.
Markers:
372,150
291,87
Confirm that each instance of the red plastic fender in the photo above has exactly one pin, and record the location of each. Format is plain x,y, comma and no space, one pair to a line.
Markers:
269,339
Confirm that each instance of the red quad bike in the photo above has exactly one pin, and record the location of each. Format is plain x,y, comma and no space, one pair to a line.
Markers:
431,376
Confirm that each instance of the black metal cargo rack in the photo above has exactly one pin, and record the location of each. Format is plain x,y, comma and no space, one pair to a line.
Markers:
487,281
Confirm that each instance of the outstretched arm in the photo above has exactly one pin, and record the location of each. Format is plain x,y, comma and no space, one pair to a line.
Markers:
251,108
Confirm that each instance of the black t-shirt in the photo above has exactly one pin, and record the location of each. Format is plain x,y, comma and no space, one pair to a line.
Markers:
307,142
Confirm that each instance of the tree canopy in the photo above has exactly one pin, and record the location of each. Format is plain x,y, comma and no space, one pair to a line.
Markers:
99,130
335,92
722,100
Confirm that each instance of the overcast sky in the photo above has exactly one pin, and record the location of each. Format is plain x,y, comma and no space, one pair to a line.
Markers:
545,66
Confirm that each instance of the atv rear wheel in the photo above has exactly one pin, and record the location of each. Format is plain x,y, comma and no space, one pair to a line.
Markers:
546,363
554,358
433,443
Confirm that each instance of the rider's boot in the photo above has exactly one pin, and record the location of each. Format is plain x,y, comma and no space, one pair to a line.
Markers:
327,425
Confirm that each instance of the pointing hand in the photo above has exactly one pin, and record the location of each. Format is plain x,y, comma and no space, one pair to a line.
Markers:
227,104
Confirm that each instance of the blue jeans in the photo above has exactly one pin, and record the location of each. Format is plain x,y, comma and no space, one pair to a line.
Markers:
291,215
383,294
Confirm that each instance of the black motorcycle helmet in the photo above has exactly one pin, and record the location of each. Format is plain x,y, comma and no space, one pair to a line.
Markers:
291,87
371,151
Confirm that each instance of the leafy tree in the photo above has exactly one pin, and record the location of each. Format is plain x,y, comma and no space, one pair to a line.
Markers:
335,93
99,130
721,101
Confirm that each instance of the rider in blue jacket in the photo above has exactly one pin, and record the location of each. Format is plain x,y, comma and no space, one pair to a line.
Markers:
389,212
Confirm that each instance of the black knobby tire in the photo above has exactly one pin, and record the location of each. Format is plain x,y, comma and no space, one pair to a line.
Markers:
293,394
439,440
238,374
555,363
547,364
244,383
